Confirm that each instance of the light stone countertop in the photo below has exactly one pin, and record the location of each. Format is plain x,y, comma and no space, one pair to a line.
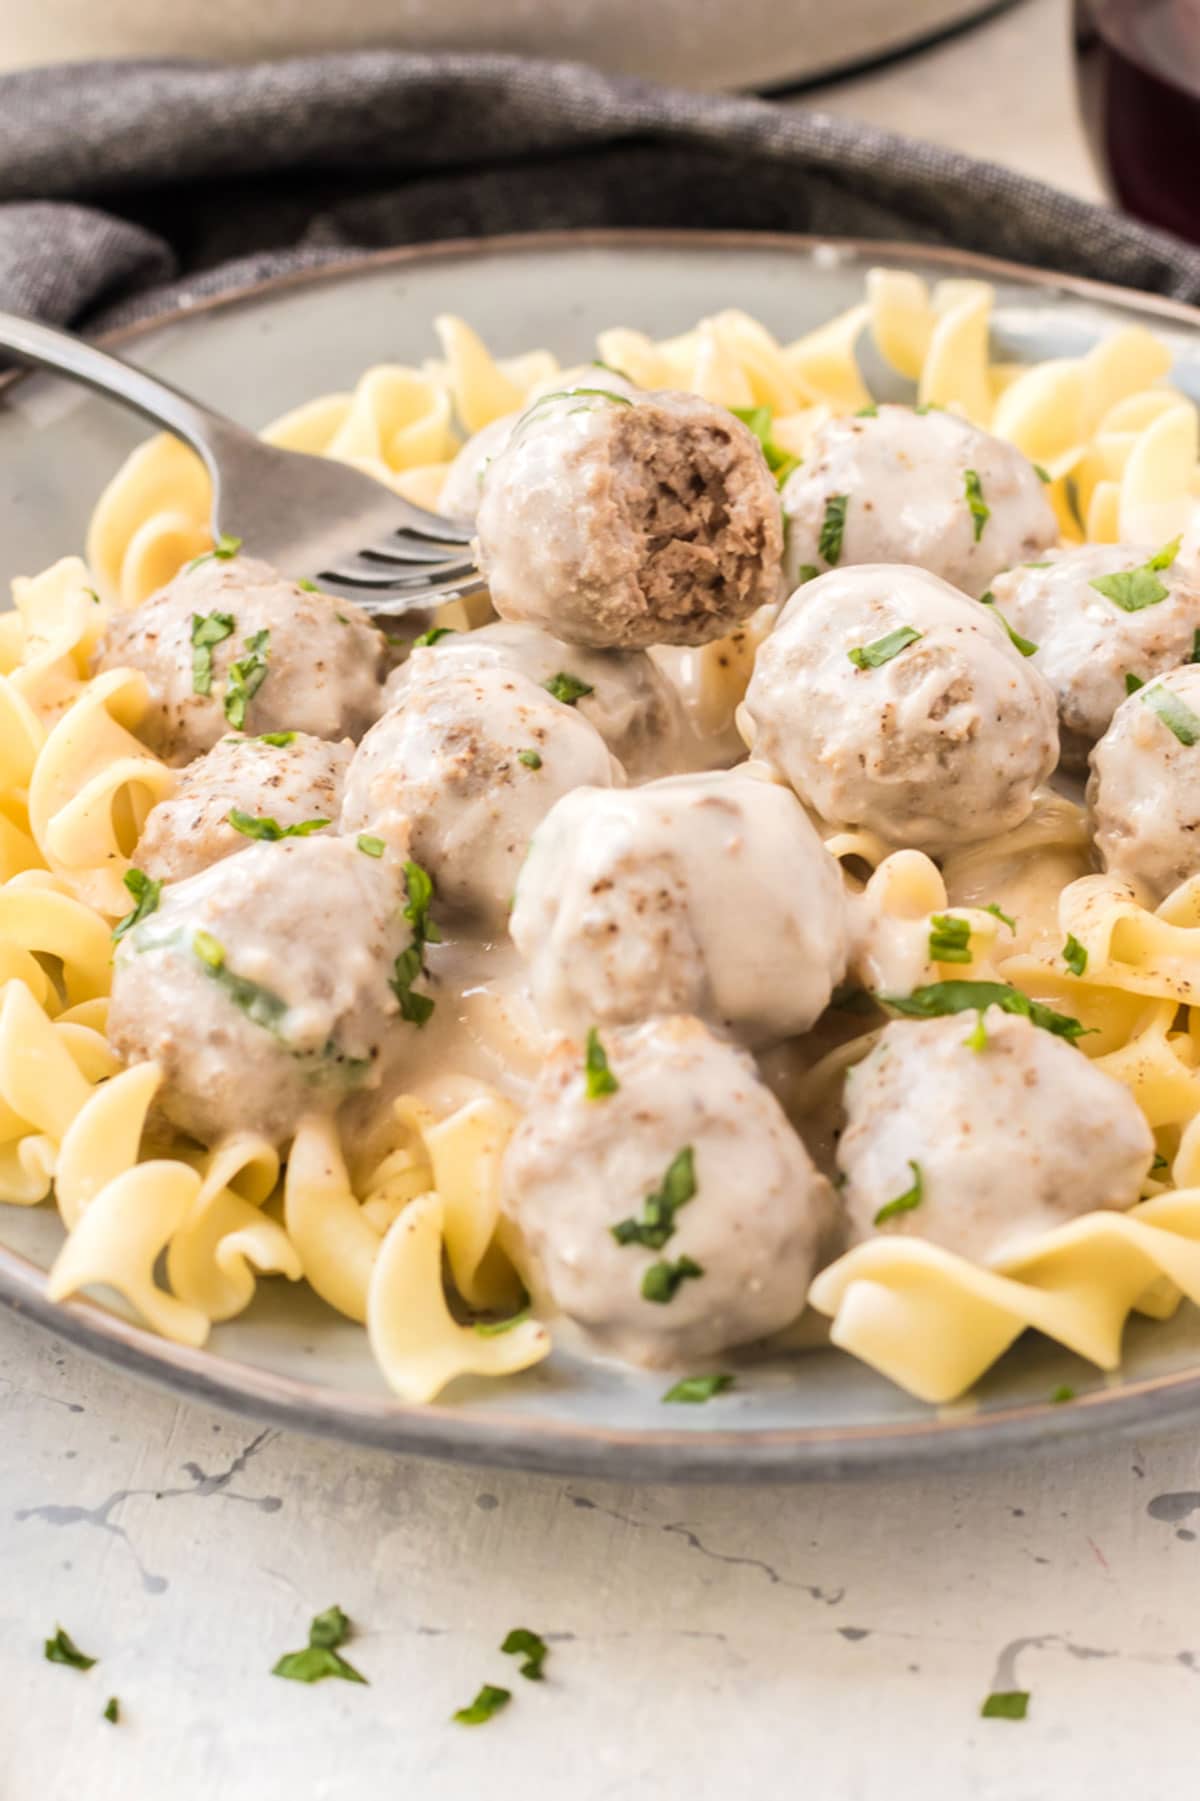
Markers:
834,1640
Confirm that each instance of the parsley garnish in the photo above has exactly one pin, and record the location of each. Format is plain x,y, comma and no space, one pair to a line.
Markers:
1009,1704
662,1281
308,587
207,629
567,687
221,552
867,412
1064,1392
146,896
278,739
1025,645
63,1649
530,758
269,829
487,1702
833,528
978,507
949,939
657,1223
598,1076
938,999
977,1038
369,845
695,1389
320,1657
1135,589
1133,682
1042,473
874,656
1160,1162
112,1713
807,572
493,1328
1001,915
432,635
904,1203
520,1642
779,461
1074,955
415,1008
1175,713
261,1006
246,677
1195,656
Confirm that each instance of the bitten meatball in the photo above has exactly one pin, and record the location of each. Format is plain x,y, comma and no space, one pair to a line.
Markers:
673,1214
620,523
890,700
1144,790
898,486
263,986
231,642
981,1149
1093,642
704,894
286,781
472,764
622,693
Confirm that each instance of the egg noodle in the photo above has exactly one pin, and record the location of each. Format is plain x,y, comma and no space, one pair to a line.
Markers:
371,1228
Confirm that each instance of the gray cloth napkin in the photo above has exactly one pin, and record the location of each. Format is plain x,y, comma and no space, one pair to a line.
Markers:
127,186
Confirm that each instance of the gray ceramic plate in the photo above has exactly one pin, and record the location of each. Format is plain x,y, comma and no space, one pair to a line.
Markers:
289,1358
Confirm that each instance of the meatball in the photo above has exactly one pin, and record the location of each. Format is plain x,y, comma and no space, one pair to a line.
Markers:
891,701
1088,641
706,894
981,1149
230,642
472,764
675,1214
263,986
286,780
619,523
625,695
898,486
1144,791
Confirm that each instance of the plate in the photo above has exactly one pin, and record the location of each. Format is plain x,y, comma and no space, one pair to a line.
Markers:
289,1358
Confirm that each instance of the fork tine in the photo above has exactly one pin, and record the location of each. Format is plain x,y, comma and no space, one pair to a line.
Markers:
369,573
411,550
421,523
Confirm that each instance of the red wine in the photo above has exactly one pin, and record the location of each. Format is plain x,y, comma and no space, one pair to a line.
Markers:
1139,76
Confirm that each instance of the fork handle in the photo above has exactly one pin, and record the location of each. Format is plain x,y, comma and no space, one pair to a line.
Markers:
48,347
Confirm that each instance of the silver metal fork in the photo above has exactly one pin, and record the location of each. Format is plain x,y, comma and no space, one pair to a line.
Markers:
313,518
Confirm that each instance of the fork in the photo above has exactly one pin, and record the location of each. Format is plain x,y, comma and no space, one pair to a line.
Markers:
308,515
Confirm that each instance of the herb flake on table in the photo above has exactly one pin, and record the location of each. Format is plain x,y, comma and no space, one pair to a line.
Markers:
1026,646
906,1202
1006,1704
657,1222
208,629
1133,590
663,1280
949,939
321,1657
246,677
938,999
146,894
486,1704
1175,713
779,461
598,1077
694,1390
874,656
521,1642
1074,955
833,529
63,1649
112,1712
223,551
269,830
977,506
567,687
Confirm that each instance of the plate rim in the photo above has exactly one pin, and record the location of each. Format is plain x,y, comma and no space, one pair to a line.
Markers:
495,1437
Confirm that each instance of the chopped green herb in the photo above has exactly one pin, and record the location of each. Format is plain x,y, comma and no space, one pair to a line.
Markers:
146,896
246,677
112,1713
1062,1393
1000,914
938,999
1074,955
657,1223
369,845
979,510
321,1656
207,629
432,636
262,1006
977,1038
342,618
309,587
210,950
867,412
487,1702
874,656
1044,564
415,1008
269,829
662,1281
928,406
1159,1163
598,362
530,758
95,598
598,1076
1042,473
280,740
410,964
1133,682
949,939
494,1328
1195,656
221,552
807,572
695,1389
833,528
63,1649
567,688
1025,645
779,461
520,1642
1009,1704
904,1203
1175,713
1135,589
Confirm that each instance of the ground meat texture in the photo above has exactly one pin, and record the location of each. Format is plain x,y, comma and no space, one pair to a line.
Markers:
286,783
706,894
937,743
630,702
473,764
900,479
621,523
318,670
1087,642
295,1017
578,1167
1009,1141
1144,789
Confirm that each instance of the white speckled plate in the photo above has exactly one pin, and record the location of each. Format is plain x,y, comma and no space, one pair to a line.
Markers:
289,1358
